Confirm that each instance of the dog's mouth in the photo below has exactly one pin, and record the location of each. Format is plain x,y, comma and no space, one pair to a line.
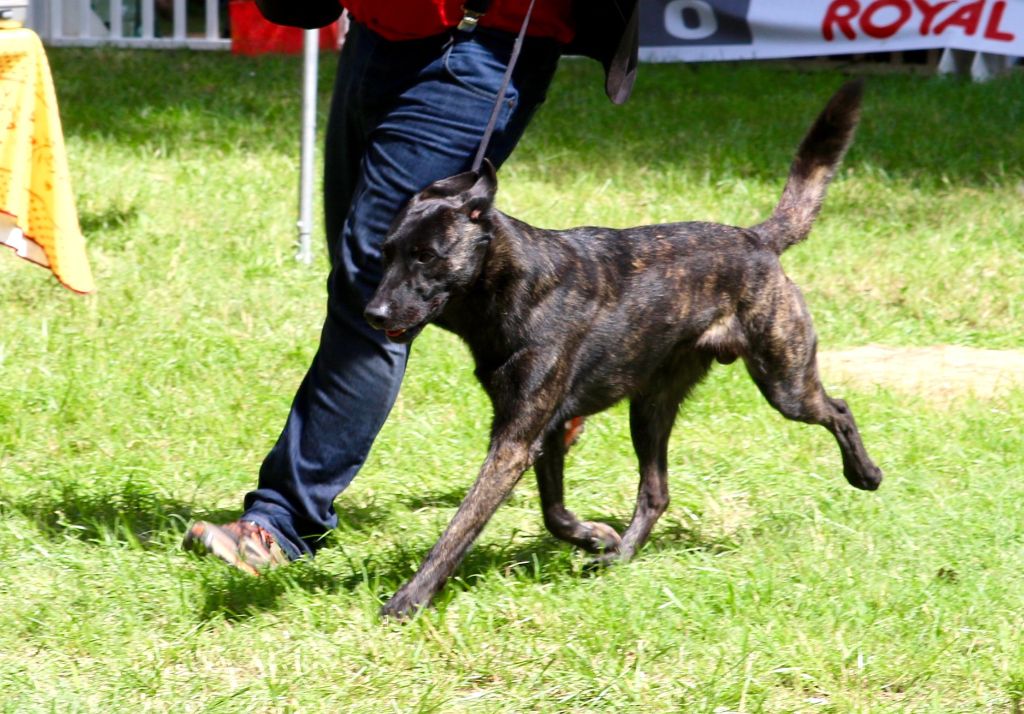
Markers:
401,335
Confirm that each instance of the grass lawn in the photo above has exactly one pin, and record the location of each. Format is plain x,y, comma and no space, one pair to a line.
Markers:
770,585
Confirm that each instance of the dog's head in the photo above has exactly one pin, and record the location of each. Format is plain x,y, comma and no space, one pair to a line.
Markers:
434,250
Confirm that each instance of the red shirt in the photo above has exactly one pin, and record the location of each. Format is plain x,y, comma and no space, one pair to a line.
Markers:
414,19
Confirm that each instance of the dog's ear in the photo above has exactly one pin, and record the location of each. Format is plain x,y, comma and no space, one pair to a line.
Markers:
472,191
479,198
451,186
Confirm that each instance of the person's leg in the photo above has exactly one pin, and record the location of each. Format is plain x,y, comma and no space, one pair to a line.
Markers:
410,128
345,143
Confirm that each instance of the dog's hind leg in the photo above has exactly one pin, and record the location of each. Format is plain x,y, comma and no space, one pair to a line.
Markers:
591,536
650,422
786,372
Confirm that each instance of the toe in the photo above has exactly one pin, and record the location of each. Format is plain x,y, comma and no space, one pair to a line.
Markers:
603,537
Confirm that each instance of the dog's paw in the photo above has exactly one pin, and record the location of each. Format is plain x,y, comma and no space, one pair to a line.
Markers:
601,562
866,478
603,538
403,605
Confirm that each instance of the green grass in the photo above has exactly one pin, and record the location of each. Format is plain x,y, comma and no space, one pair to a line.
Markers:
769,586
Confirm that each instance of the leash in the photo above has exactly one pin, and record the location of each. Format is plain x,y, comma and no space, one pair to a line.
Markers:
472,12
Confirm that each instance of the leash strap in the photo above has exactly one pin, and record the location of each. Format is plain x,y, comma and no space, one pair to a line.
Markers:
492,122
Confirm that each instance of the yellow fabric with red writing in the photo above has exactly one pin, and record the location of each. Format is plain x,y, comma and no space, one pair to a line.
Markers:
35,187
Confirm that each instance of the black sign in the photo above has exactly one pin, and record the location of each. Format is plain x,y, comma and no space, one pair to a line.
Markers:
694,22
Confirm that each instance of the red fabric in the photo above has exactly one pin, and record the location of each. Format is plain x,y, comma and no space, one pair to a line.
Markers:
252,34
413,19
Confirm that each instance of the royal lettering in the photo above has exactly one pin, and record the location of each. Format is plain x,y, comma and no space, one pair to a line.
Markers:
992,30
840,14
966,17
929,11
881,19
888,28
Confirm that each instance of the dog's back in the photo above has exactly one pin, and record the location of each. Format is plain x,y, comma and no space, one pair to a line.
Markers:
691,287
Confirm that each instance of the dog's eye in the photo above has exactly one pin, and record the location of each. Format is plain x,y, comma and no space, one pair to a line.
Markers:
423,255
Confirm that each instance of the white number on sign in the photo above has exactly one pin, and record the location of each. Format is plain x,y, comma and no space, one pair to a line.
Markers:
690,19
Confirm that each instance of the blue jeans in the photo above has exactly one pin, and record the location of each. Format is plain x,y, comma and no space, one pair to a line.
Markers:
403,114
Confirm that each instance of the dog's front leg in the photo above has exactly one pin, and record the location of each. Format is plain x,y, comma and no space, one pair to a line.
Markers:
506,461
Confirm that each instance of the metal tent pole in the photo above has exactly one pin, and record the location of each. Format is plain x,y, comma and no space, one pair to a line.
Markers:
311,42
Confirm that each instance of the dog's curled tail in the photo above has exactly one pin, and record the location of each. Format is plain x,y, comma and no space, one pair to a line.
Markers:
812,169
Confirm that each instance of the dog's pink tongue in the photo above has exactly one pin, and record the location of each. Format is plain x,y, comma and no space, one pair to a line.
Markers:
393,333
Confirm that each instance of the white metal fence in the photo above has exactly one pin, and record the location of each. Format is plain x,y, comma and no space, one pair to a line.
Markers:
196,24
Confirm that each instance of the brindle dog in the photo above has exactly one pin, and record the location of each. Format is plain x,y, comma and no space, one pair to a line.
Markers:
568,322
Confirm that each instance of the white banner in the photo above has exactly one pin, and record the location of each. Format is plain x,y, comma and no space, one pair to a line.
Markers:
705,30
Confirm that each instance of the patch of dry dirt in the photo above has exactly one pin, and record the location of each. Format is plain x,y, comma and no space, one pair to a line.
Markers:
938,373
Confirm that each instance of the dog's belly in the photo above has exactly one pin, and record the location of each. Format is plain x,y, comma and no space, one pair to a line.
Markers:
672,369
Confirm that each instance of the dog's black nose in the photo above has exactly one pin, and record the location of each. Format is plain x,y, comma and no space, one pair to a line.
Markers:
376,314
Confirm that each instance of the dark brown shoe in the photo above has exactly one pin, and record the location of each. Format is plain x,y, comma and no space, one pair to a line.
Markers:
243,544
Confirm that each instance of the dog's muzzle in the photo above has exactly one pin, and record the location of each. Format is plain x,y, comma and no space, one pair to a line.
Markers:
377,315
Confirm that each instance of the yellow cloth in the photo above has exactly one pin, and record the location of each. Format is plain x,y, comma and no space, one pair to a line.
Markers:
35,187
